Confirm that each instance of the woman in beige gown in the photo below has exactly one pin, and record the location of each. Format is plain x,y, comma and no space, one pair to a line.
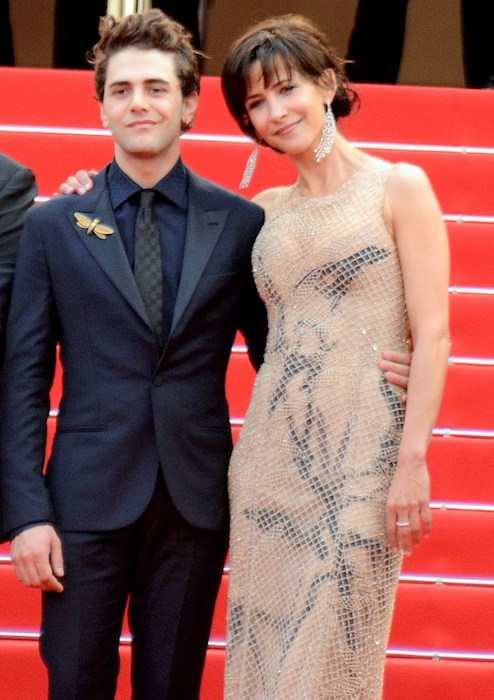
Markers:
329,482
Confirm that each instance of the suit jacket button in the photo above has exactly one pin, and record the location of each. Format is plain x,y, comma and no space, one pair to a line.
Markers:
158,381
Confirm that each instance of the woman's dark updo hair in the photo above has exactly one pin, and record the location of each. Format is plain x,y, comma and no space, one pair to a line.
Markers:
299,45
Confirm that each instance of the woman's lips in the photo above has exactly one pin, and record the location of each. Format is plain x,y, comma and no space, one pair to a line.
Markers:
286,129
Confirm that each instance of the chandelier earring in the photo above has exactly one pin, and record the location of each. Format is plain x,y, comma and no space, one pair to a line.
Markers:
251,162
327,137
250,167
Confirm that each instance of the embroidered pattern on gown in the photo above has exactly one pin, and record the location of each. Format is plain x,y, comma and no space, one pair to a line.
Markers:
313,582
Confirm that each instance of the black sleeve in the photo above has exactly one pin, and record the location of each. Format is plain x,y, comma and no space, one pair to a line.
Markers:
29,366
253,321
17,193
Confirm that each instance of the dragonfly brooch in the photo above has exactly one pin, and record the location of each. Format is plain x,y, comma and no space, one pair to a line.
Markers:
92,226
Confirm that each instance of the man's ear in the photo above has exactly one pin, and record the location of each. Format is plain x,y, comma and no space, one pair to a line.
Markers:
189,109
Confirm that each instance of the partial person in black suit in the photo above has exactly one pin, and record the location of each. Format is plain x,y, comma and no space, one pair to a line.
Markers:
134,503
76,30
6,44
17,193
376,43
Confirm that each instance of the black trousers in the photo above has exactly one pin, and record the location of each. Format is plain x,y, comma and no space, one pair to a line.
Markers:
169,573
76,30
377,38
376,41
478,52
6,46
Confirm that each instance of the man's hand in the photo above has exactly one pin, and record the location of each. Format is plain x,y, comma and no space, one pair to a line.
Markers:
37,558
396,367
79,183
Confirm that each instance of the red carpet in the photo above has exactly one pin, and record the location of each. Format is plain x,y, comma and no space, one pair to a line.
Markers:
442,640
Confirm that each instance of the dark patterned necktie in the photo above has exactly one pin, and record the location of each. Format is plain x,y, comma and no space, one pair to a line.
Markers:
147,263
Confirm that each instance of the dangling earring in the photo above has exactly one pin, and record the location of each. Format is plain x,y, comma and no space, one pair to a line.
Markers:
327,136
250,166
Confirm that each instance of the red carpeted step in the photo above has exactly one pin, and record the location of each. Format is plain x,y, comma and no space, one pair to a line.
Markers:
239,380
472,315
440,616
462,469
472,329
467,399
23,676
46,97
212,681
417,115
65,98
450,173
390,113
472,324
428,615
53,156
461,544
405,679
20,606
427,679
472,254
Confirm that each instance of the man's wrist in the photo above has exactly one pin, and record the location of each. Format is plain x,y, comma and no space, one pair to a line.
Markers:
17,530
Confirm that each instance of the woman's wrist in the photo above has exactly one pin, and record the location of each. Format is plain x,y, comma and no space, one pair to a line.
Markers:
412,456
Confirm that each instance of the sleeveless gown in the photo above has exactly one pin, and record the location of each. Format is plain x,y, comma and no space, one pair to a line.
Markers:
313,582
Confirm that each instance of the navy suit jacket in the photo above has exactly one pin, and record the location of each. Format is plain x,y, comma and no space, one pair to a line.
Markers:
127,405
17,192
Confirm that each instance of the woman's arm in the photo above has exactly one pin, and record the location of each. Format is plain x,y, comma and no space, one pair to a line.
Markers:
422,244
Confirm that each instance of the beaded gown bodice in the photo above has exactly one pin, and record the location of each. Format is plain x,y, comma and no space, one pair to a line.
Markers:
313,581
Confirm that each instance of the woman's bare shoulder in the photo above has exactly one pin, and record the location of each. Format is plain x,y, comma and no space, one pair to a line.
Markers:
405,177
271,198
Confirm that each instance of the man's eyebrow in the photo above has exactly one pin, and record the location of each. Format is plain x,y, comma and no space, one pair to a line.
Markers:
157,80
117,83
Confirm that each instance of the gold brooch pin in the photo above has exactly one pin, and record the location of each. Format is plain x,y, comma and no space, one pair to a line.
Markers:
92,226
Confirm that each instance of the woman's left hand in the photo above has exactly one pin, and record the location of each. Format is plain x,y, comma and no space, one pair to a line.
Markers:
408,515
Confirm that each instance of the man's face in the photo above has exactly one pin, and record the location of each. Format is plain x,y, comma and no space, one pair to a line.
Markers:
143,105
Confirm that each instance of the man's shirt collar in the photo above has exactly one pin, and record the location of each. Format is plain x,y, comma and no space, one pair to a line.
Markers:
173,185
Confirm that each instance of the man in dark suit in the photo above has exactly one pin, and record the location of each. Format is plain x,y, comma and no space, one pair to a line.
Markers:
17,193
133,505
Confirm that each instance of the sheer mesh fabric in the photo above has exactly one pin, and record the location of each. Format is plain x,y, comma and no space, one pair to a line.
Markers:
313,582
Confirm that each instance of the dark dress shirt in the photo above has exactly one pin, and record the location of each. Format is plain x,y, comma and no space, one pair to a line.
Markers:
170,215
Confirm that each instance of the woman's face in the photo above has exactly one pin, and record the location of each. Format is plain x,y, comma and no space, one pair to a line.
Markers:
287,114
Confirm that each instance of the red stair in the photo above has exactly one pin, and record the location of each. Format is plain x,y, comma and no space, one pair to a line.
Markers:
442,643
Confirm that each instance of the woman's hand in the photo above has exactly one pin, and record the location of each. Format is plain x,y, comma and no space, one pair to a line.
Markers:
408,515
79,183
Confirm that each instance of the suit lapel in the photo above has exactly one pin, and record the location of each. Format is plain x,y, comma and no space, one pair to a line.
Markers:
204,227
109,253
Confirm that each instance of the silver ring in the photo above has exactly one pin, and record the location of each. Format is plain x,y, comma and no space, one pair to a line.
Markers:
405,523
